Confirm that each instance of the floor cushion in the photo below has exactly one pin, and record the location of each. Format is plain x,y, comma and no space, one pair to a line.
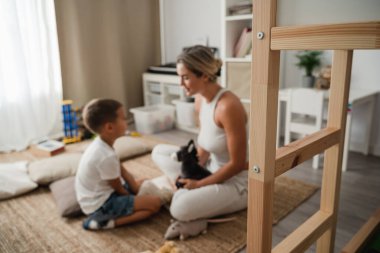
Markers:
54,168
50,169
14,179
127,147
64,195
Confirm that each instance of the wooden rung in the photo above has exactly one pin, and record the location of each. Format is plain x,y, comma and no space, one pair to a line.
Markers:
305,235
347,36
363,234
297,152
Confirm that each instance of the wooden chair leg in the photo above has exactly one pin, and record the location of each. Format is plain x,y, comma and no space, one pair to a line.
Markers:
316,162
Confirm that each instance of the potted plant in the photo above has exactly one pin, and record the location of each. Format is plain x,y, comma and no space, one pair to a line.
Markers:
309,60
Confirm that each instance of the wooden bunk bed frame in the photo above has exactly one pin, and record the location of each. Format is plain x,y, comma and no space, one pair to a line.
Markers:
266,163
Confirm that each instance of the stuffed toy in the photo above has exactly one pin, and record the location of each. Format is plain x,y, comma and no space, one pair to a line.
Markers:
168,247
184,229
190,167
323,81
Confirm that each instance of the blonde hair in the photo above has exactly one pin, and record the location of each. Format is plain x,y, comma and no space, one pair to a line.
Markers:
201,61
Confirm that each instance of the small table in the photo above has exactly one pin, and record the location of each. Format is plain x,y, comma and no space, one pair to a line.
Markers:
357,97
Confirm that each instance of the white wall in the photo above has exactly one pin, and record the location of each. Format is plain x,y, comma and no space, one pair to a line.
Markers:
185,21
366,74
366,64
300,12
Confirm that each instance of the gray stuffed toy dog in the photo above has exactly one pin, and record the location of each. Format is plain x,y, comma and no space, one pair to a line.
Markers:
183,229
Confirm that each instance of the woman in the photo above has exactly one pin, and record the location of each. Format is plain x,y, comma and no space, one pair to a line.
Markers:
222,143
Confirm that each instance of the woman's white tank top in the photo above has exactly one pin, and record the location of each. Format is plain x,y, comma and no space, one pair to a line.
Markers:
211,137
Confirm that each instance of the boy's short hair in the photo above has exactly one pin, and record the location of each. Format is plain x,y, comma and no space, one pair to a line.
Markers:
98,112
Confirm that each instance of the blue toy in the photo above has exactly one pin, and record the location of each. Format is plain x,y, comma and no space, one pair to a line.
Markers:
70,123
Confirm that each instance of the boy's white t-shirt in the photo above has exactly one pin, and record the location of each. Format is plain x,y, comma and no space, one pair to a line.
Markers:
98,164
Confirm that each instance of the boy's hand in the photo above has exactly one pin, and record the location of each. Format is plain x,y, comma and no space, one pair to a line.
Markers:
118,187
133,186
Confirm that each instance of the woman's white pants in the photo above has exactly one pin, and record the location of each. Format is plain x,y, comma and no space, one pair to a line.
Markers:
205,202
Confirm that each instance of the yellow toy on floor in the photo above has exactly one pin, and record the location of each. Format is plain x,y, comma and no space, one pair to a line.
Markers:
168,247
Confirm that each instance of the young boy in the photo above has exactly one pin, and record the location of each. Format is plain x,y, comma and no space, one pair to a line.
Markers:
104,188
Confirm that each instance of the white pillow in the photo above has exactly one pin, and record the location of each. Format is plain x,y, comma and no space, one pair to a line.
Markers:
54,168
65,165
127,147
14,179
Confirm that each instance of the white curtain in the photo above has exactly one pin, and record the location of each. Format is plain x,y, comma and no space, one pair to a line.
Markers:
30,73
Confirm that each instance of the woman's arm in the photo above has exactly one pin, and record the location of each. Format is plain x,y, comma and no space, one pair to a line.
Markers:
231,116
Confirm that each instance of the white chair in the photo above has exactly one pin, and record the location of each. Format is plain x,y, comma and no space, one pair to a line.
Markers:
304,115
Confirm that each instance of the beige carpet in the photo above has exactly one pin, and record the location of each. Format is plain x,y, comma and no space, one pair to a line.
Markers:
30,223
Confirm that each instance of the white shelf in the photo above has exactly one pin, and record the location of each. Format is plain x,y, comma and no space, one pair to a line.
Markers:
164,89
160,88
239,17
153,99
245,101
232,29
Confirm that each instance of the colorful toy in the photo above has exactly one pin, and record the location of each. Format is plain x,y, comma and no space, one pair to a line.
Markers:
70,123
324,79
133,134
168,247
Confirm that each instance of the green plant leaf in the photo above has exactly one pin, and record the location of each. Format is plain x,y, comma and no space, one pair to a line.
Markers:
309,60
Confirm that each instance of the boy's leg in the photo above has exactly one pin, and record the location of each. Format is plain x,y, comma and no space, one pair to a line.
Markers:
143,207
153,188
161,155
123,210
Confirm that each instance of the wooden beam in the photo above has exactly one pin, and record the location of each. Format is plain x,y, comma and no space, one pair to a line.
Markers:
263,122
356,243
347,36
305,235
339,89
297,152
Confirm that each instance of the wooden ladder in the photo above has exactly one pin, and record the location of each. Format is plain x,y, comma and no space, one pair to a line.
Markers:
265,162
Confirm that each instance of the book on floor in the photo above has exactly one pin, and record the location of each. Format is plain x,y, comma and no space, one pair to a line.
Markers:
48,148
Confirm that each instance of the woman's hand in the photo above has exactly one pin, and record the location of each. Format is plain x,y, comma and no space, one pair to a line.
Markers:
189,183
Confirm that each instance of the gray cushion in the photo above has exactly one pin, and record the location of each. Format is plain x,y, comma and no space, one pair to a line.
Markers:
64,194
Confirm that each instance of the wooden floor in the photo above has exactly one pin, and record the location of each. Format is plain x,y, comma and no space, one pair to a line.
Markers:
359,197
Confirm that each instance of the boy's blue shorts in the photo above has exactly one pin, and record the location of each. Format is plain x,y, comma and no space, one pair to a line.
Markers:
116,206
